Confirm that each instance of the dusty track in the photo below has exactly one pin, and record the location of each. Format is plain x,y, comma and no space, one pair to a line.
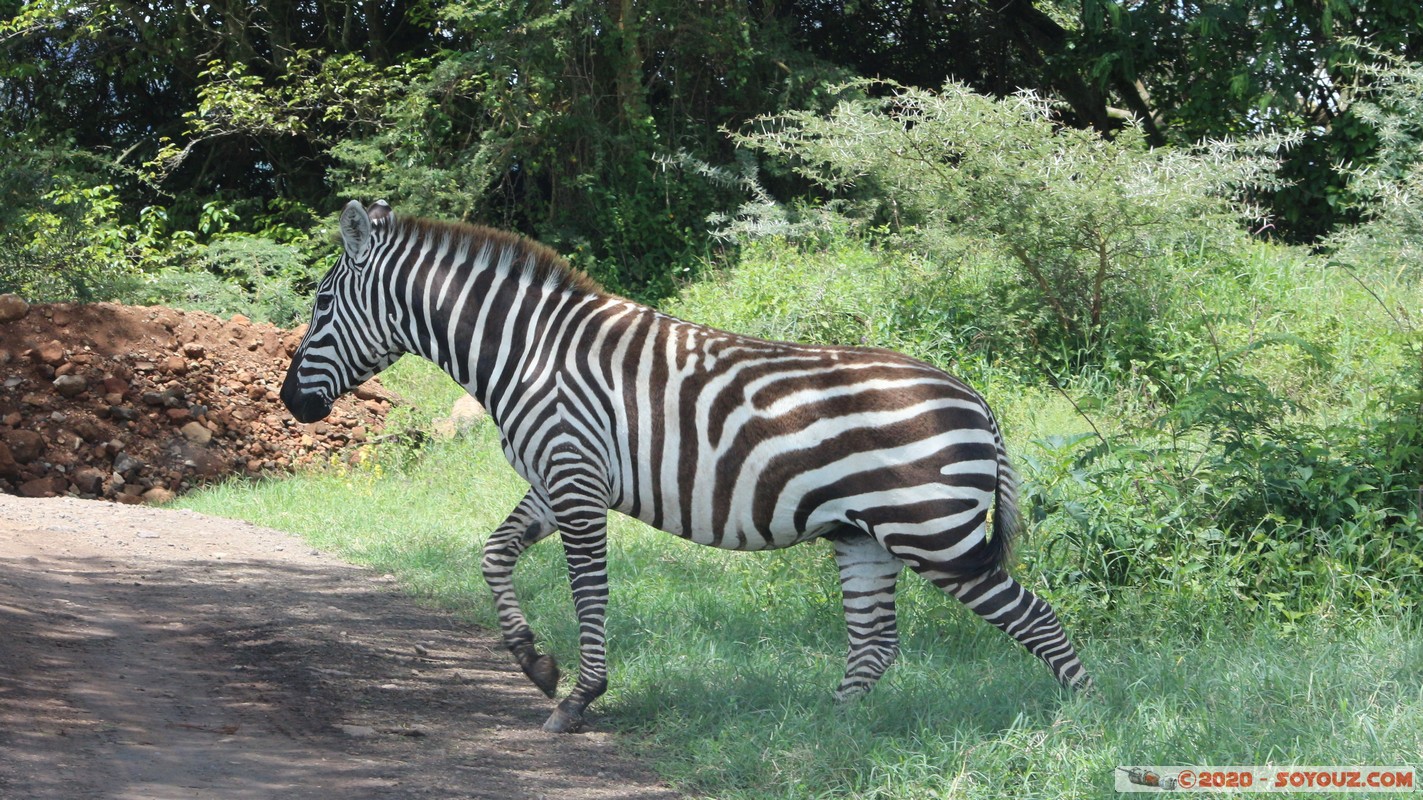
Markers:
151,654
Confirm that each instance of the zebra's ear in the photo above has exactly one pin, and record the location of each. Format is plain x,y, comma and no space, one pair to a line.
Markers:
356,231
382,213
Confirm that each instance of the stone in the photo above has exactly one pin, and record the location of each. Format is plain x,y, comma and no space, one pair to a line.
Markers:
196,433
12,307
178,414
194,350
129,499
125,463
51,352
89,480
466,413
43,487
9,467
175,365
122,413
113,385
369,391
70,385
157,496
25,446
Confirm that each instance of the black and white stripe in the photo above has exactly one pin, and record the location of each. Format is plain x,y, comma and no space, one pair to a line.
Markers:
722,439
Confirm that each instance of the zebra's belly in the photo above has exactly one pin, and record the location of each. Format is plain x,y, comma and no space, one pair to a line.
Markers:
716,524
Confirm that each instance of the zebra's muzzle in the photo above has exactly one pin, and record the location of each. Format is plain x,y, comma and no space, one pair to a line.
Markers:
305,405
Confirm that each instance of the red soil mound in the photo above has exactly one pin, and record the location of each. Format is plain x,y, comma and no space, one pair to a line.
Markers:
136,404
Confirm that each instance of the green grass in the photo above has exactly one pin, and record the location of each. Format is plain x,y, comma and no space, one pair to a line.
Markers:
723,664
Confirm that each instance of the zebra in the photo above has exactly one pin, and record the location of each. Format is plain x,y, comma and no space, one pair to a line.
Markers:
726,440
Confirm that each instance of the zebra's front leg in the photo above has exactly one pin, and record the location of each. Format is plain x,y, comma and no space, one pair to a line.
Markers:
585,542
868,574
528,523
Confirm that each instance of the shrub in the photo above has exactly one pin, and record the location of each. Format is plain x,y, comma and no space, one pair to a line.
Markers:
1085,229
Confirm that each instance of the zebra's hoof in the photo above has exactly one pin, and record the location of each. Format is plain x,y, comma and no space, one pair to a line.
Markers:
561,721
543,671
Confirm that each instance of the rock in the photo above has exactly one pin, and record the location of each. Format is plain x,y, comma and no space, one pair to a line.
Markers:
43,487
466,413
175,365
51,352
12,308
89,480
25,446
369,391
125,464
194,350
70,385
129,499
122,413
197,433
157,496
9,467
113,385
357,731
178,414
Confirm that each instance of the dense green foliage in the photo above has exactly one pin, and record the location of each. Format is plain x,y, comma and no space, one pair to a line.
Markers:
575,121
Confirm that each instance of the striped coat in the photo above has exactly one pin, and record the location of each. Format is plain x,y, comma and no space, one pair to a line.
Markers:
725,440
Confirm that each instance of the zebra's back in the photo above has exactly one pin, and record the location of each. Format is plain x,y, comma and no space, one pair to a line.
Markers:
750,444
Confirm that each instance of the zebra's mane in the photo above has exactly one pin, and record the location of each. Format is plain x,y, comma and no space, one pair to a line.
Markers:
548,267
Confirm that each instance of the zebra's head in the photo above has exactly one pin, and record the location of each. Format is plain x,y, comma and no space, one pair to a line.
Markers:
349,339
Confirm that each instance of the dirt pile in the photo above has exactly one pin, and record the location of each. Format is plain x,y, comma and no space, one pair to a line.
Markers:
139,404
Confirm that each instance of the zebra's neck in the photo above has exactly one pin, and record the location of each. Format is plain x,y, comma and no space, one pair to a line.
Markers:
482,304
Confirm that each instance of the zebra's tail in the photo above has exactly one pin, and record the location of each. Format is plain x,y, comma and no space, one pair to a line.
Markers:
995,552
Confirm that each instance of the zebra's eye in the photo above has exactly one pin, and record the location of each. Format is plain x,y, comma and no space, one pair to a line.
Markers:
323,302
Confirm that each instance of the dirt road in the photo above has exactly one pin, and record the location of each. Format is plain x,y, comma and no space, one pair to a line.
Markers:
149,654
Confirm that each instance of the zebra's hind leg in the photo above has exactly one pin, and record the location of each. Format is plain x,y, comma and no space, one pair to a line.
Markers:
1006,605
527,524
868,574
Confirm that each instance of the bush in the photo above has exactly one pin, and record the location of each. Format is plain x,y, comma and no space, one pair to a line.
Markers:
1086,230
64,238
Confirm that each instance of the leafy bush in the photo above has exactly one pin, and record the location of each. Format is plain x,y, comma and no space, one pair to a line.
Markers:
236,274
1086,229
64,238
